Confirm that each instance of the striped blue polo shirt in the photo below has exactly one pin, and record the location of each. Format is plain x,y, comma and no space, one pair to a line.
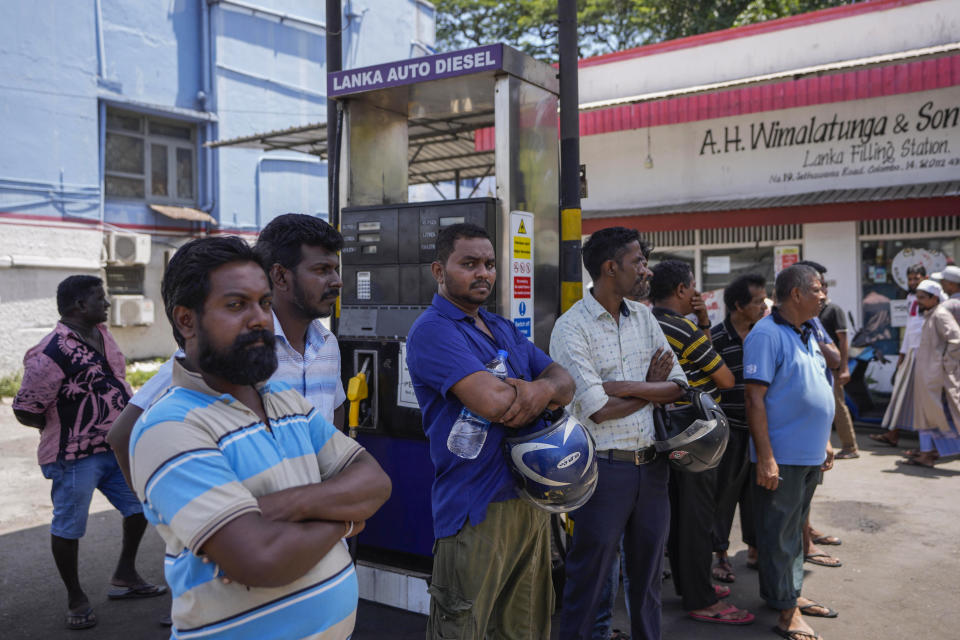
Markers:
198,460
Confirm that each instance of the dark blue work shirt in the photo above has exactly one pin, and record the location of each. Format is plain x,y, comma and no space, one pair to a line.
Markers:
444,346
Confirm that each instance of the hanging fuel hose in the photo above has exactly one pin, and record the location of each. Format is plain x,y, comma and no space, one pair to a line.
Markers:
357,392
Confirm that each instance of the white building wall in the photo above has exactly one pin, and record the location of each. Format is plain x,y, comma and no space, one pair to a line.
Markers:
899,28
834,245
28,306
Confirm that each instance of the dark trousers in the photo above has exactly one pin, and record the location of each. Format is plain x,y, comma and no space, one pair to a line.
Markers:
690,545
629,500
733,488
780,515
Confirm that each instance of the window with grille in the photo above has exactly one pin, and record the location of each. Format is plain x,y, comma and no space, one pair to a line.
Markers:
907,226
150,159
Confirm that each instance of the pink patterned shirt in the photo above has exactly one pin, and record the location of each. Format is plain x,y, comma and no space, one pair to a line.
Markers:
79,391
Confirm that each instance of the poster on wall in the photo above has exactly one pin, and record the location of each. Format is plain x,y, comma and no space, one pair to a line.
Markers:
521,272
931,260
785,256
715,307
899,312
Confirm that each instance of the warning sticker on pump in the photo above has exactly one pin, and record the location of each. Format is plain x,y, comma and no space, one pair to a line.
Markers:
524,326
523,283
521,286
521,248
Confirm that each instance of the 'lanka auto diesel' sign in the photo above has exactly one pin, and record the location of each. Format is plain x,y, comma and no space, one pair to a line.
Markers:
393,74
903,139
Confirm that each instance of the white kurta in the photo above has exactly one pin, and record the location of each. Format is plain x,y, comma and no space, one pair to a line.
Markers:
937,374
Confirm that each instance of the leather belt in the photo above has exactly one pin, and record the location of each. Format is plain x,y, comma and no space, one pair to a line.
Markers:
638,457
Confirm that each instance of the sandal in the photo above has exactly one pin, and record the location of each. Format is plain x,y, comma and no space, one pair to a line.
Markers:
723,572
815,558
913,453
807,610
846,455
795,634
823,538
82,620
139,590
883,439
917,462
720,591
718,617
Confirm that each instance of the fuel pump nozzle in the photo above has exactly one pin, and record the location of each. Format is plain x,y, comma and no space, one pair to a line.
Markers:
356,393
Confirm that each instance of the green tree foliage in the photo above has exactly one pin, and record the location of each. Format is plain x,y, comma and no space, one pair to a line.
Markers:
605,25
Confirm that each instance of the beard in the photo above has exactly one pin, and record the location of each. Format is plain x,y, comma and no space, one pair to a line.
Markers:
240,363
313,310
641,290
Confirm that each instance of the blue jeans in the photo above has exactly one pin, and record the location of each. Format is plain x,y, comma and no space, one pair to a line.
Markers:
780,515
630,501
608,597
73,483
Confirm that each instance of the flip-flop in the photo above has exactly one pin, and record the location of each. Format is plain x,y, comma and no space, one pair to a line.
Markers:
716,619
846,455
795,634
142,590
828,540
829,614
878,437
720,591
813,558
916,463
83,620
723,572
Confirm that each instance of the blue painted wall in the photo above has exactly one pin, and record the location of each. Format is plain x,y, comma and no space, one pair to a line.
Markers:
263,74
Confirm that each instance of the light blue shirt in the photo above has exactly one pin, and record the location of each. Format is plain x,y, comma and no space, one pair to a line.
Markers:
315,374
799,401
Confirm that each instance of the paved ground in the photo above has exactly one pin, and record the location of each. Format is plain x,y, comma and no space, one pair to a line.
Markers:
901,554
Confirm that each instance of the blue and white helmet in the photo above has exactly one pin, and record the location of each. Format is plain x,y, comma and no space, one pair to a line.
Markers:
556,467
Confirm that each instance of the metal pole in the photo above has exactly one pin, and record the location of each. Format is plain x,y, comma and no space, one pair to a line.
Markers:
334,63
571,282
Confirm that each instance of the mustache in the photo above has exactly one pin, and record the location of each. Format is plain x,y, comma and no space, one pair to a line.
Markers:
480,283
257,335
330,295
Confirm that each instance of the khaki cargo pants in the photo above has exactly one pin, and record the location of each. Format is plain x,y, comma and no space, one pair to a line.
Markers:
493,580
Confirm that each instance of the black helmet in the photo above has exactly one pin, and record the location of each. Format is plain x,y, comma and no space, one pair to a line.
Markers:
692,436
555,467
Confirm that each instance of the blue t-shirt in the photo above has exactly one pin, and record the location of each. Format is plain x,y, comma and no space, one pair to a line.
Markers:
444,346
799,400
823,337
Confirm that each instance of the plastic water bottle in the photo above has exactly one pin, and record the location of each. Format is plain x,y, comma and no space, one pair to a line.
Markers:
469,432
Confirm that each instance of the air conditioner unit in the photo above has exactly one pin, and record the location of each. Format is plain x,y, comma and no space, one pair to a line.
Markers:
128,248
130,311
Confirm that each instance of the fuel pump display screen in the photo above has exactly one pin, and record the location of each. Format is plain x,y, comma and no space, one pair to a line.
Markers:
387,252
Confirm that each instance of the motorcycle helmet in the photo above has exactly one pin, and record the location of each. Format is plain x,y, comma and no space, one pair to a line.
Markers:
694,436
555,467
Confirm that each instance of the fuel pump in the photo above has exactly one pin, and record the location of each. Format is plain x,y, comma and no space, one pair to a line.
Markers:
357,392
490,111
